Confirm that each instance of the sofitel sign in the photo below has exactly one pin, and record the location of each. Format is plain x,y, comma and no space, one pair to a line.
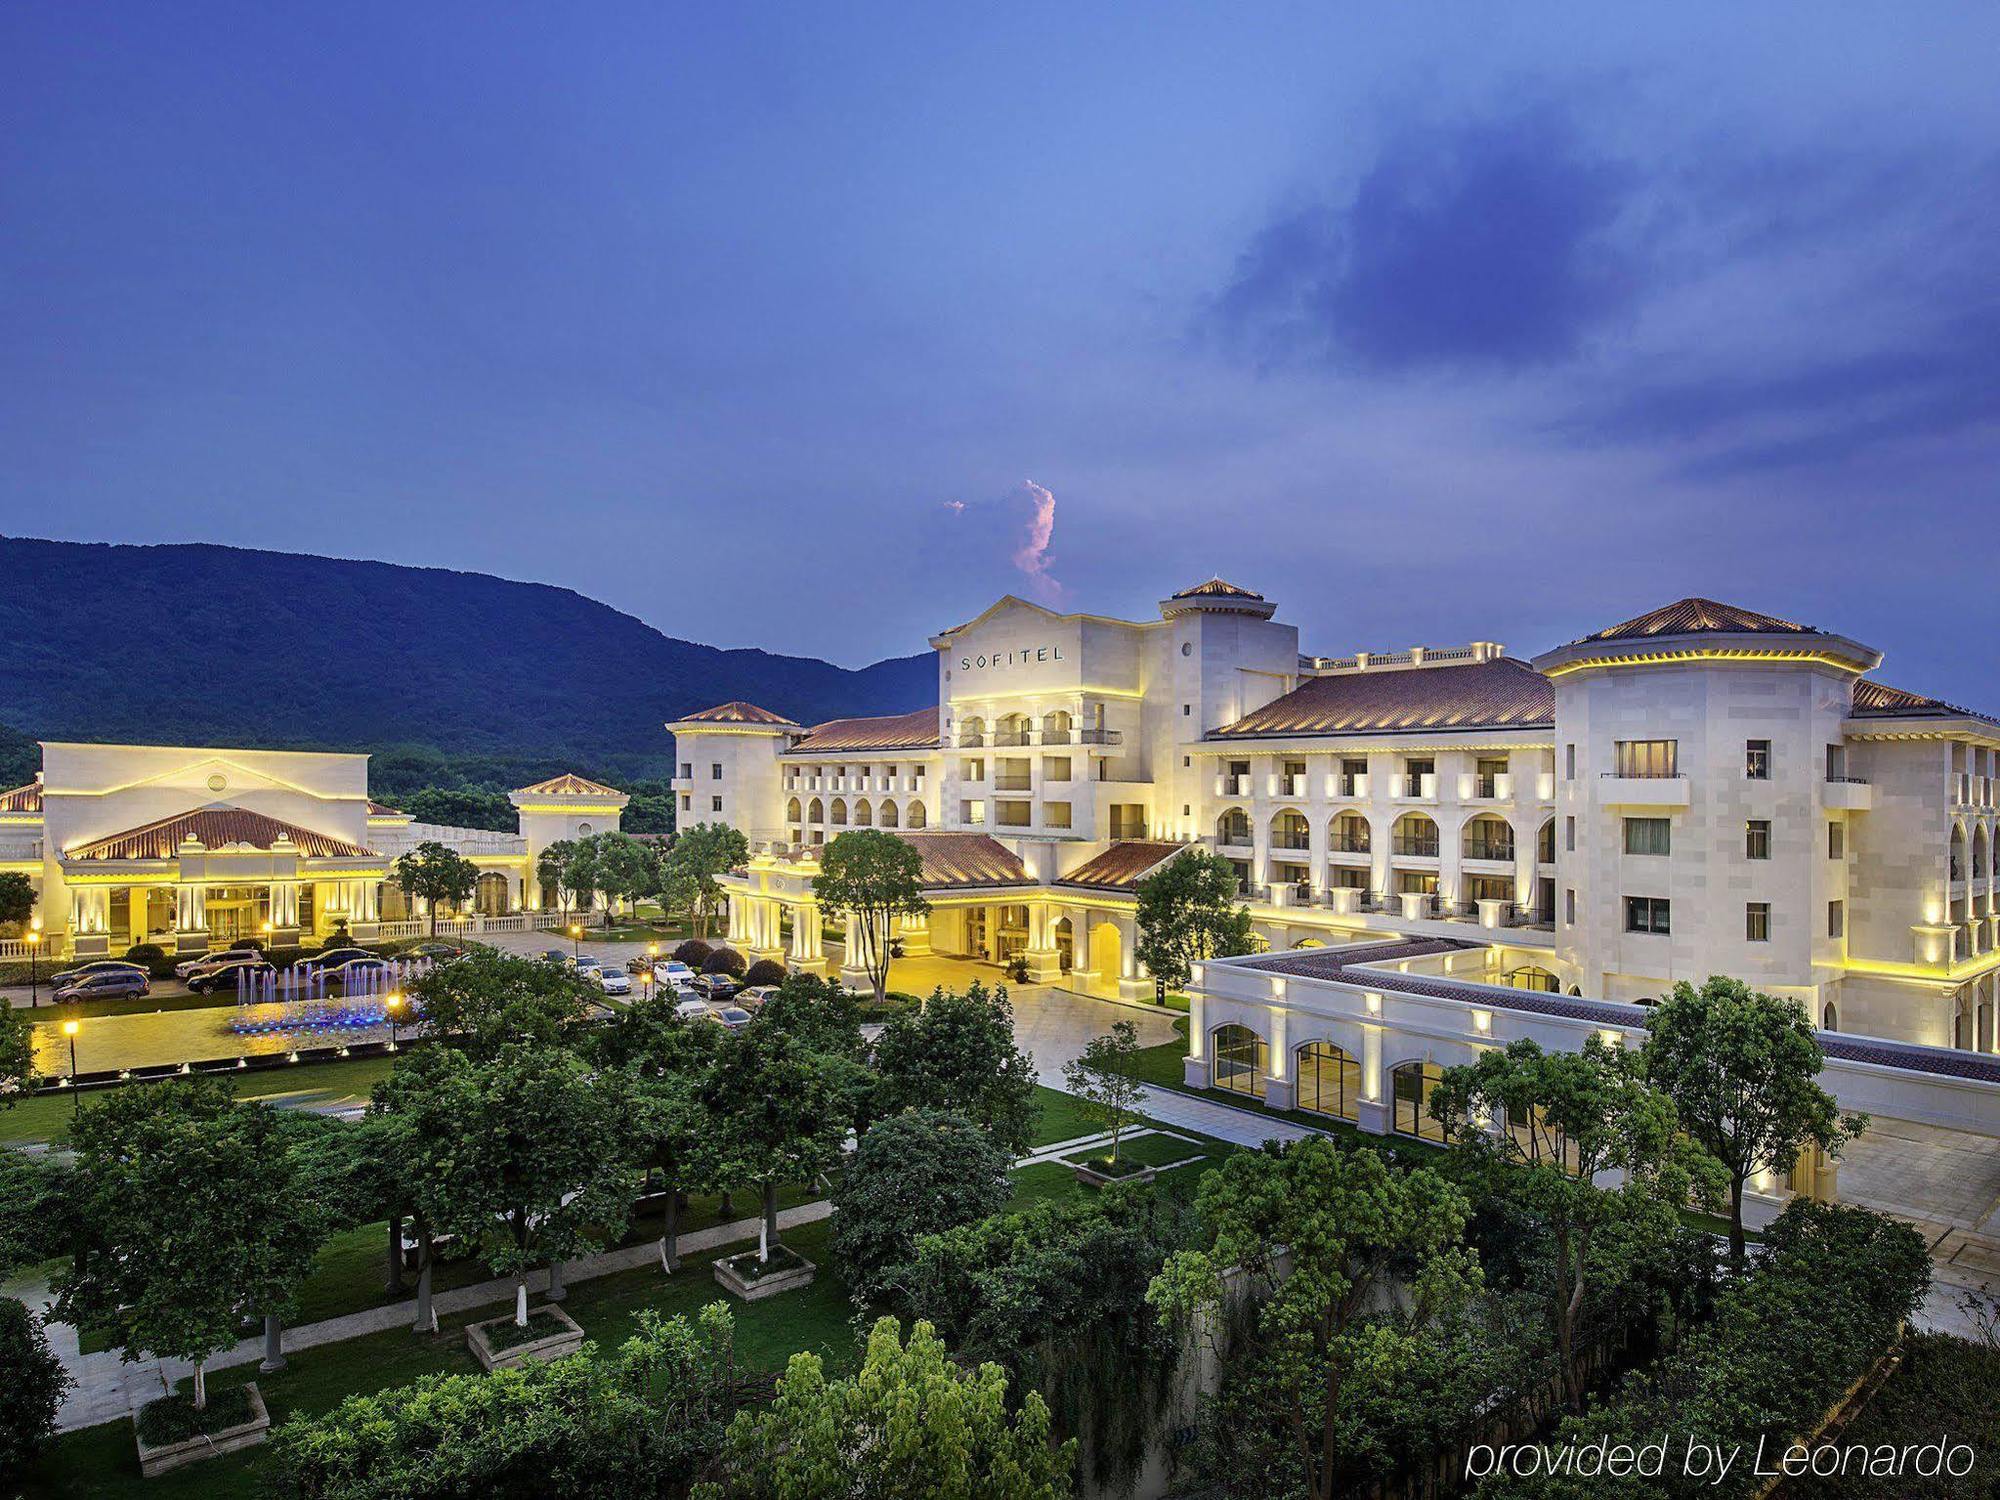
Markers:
1010,658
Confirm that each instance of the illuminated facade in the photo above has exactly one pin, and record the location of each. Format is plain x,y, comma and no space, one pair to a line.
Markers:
1700,790
195,848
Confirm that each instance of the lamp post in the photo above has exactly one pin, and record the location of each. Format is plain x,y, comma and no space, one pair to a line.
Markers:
575,941
652,965
34,967
394,1006
76,1099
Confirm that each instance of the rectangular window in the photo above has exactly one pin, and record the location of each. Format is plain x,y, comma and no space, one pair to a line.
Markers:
1352,771
715,771
1757,760
1569,834
1649,836
1757,839
687,802
1836,919
1186,710
1836,841
1055,815
715,804
1569,907
1647,759
1569,763
1757,922
1055,768
687,770
1648,914
973,813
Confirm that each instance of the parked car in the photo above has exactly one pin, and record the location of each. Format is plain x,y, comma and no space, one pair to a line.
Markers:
108,984
439,952
672,971
588,961
330,959
754,998
100,966
692,1009
735,1017
220,971
717,986
613,981
554,956
188,965
349,970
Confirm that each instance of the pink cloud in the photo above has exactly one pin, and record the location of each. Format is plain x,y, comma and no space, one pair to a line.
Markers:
1032,556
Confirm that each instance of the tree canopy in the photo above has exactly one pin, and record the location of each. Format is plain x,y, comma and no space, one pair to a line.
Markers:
913,1174
957,1053
435,873
873,877
1189,911
687,874
488,999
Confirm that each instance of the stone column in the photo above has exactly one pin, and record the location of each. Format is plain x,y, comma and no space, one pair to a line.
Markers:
1373,1112
1381,837
190,919
1195,1067
1044,963
916,935
806,949
1280,1088
853,971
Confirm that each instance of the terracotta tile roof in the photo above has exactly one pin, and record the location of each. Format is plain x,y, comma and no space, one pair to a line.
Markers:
911,731
1501,693
1698,617
736,711
1121,867
1874,700
953,859
377,810
215,826
569,784
1216,587
22,799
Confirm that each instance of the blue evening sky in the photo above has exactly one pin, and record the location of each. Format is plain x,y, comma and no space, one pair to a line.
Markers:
816,327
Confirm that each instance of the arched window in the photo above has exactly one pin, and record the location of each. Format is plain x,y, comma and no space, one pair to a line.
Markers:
792,811
1241,1059
815,811
972,731
916,818
1829,1018
1488,837
1012,729
1539,1140
1055,728
1350,834
1416,835
1233,827
887,819
1329,1081
1545,843
1290,830
1979,852
1529,977
837,813
1958,853
864,815
1410,1086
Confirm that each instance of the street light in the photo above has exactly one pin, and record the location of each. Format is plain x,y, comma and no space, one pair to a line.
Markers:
76,1099
575,938
34,968
652,963
394,1006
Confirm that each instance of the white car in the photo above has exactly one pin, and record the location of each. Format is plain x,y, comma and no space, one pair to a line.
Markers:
690,1010
588,961
735,1017
672,971
202,961
613,981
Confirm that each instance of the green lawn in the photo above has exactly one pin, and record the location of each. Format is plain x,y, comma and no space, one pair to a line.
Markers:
46,1117
1063,1118
1146,1150
101,1460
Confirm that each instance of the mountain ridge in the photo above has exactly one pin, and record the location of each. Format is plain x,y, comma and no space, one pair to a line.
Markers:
198,642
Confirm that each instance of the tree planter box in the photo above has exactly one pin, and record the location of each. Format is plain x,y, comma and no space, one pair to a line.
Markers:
1089,1176
166,1457
787,1269
564,1337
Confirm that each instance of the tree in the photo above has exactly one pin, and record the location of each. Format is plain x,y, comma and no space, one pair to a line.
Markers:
18,1078
873,877
522,1156
919,1173
1740,1067
37,1203
487,999
17,898
766,971
909,1422
777,1115
1102,1079
1561,1118
726,961
668,1060
624,870
435,873
192,1211
693,952
819,1014
958,1053
1188,911
688,872
33,1391
650,808
462,807
1354,1229
567,870
642,1421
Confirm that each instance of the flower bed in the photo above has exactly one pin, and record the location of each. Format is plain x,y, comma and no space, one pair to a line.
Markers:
500,1342
752,1279
171,1433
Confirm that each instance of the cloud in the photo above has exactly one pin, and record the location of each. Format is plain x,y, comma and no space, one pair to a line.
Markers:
1032,556
1019,525
1494,243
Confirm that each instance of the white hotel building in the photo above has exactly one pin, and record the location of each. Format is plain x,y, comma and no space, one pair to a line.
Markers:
1469,846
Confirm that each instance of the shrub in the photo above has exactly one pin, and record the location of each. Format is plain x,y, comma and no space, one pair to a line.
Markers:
924,1172
764,971
694,953
726,961
145,953
33,1391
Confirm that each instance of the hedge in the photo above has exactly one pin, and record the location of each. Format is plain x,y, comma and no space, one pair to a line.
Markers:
1826,1300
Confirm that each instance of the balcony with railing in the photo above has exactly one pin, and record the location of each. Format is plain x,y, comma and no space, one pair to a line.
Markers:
1347,788
1498,787
971,740
1416,846
1099,737
1013,781
1848,794
1415,787
1490,847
